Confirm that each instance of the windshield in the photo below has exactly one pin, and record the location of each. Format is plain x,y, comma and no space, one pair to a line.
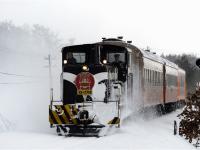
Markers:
113,54
75,57
81,54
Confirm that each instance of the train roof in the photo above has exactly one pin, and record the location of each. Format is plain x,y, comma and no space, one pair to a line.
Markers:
145,54
154,57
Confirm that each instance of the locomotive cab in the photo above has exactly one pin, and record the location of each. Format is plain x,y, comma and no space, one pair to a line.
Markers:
96,56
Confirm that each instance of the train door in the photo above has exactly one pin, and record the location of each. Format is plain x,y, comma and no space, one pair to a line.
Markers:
136,76
129,75
164,83
127,102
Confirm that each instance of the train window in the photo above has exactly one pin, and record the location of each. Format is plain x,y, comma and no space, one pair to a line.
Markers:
152,80
159,78
80,54
113,54
75,57
146,76
171,80
129,59
168,80
156,78
149,76
115,57
152,77
80,57
181,83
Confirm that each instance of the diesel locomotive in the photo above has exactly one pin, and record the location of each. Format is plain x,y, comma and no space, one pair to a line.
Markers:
103,83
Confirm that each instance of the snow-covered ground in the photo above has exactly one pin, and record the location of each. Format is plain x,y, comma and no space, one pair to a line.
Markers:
156,133
24,116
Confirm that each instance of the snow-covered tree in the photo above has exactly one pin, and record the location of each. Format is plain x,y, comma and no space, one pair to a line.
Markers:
189,126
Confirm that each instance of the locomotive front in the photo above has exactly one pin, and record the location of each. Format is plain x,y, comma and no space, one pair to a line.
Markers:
92,81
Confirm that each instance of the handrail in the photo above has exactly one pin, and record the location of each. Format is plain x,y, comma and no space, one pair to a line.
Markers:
92,101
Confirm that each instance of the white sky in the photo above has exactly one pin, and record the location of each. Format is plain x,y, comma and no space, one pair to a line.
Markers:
168,26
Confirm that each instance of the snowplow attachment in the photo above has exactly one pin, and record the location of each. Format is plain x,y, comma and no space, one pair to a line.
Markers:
63,114
65,118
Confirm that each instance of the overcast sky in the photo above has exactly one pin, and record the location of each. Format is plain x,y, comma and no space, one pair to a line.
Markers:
166,26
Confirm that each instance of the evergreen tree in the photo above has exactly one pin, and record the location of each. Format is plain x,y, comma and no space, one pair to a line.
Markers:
189,126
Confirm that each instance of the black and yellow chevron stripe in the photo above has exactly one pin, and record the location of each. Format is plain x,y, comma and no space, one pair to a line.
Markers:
65,114
115,120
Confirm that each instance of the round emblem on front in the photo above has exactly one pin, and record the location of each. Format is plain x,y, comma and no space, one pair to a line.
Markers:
84,83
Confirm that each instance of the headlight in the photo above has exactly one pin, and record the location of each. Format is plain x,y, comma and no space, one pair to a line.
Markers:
104,61
85,68
65,61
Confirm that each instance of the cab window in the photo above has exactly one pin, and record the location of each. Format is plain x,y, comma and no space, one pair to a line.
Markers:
113,54
115,57
80,54
75,57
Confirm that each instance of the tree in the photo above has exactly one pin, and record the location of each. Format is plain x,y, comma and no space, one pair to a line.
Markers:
189,126
23,48
27,39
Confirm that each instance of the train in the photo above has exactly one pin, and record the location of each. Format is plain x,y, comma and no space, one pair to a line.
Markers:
105,82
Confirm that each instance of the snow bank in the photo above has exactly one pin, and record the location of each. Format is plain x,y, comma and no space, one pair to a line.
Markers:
153,134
